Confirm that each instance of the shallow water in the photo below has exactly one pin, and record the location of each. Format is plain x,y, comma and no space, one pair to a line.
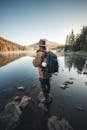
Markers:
17,70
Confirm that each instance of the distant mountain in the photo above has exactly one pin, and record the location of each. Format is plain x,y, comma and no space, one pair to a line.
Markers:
50,45
6,45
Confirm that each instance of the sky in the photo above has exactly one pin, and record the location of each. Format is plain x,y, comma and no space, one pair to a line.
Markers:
27,21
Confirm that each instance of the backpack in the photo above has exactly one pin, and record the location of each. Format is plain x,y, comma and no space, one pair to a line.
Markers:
52,62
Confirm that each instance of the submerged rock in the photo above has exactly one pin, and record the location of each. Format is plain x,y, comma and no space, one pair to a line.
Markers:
10,117
34,85
24,102
17,99
42,106
68,82
71,78
64,86
85,73
55,124
41,98
79,108
20,88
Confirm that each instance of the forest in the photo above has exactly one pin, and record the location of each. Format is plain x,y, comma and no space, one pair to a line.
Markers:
77,42
7,45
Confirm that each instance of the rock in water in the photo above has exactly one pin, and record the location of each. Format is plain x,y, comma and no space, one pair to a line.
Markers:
64,86
85,73
17,99
41,98
42,106
20,88
79,108
71,78
68,82
55,124
10,117
24,102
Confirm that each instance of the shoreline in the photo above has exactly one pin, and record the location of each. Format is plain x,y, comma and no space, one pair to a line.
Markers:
31,53
78,53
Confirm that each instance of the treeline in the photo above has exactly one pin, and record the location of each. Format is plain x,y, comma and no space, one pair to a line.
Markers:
6,45
77,42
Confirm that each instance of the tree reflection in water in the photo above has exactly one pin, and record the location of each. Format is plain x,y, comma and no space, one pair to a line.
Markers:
6,58
77,62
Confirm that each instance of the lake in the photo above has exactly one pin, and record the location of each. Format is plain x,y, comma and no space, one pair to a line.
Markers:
16,70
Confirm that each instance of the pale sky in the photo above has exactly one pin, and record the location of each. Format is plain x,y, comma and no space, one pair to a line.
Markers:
27,21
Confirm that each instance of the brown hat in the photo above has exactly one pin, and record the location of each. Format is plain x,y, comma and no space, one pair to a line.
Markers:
42,42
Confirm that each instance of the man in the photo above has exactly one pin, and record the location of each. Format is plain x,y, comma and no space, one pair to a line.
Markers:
44,77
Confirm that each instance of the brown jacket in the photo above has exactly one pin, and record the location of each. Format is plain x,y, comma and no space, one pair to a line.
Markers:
37,62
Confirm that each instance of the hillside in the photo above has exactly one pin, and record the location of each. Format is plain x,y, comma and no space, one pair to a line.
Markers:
6,45
29,47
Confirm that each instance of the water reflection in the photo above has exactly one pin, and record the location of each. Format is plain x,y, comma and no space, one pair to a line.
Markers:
22,73
79,63
6,58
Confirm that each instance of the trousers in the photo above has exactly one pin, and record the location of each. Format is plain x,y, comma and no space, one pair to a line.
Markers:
45,85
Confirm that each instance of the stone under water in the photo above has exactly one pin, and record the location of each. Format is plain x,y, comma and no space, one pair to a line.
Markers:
10,117
54,123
